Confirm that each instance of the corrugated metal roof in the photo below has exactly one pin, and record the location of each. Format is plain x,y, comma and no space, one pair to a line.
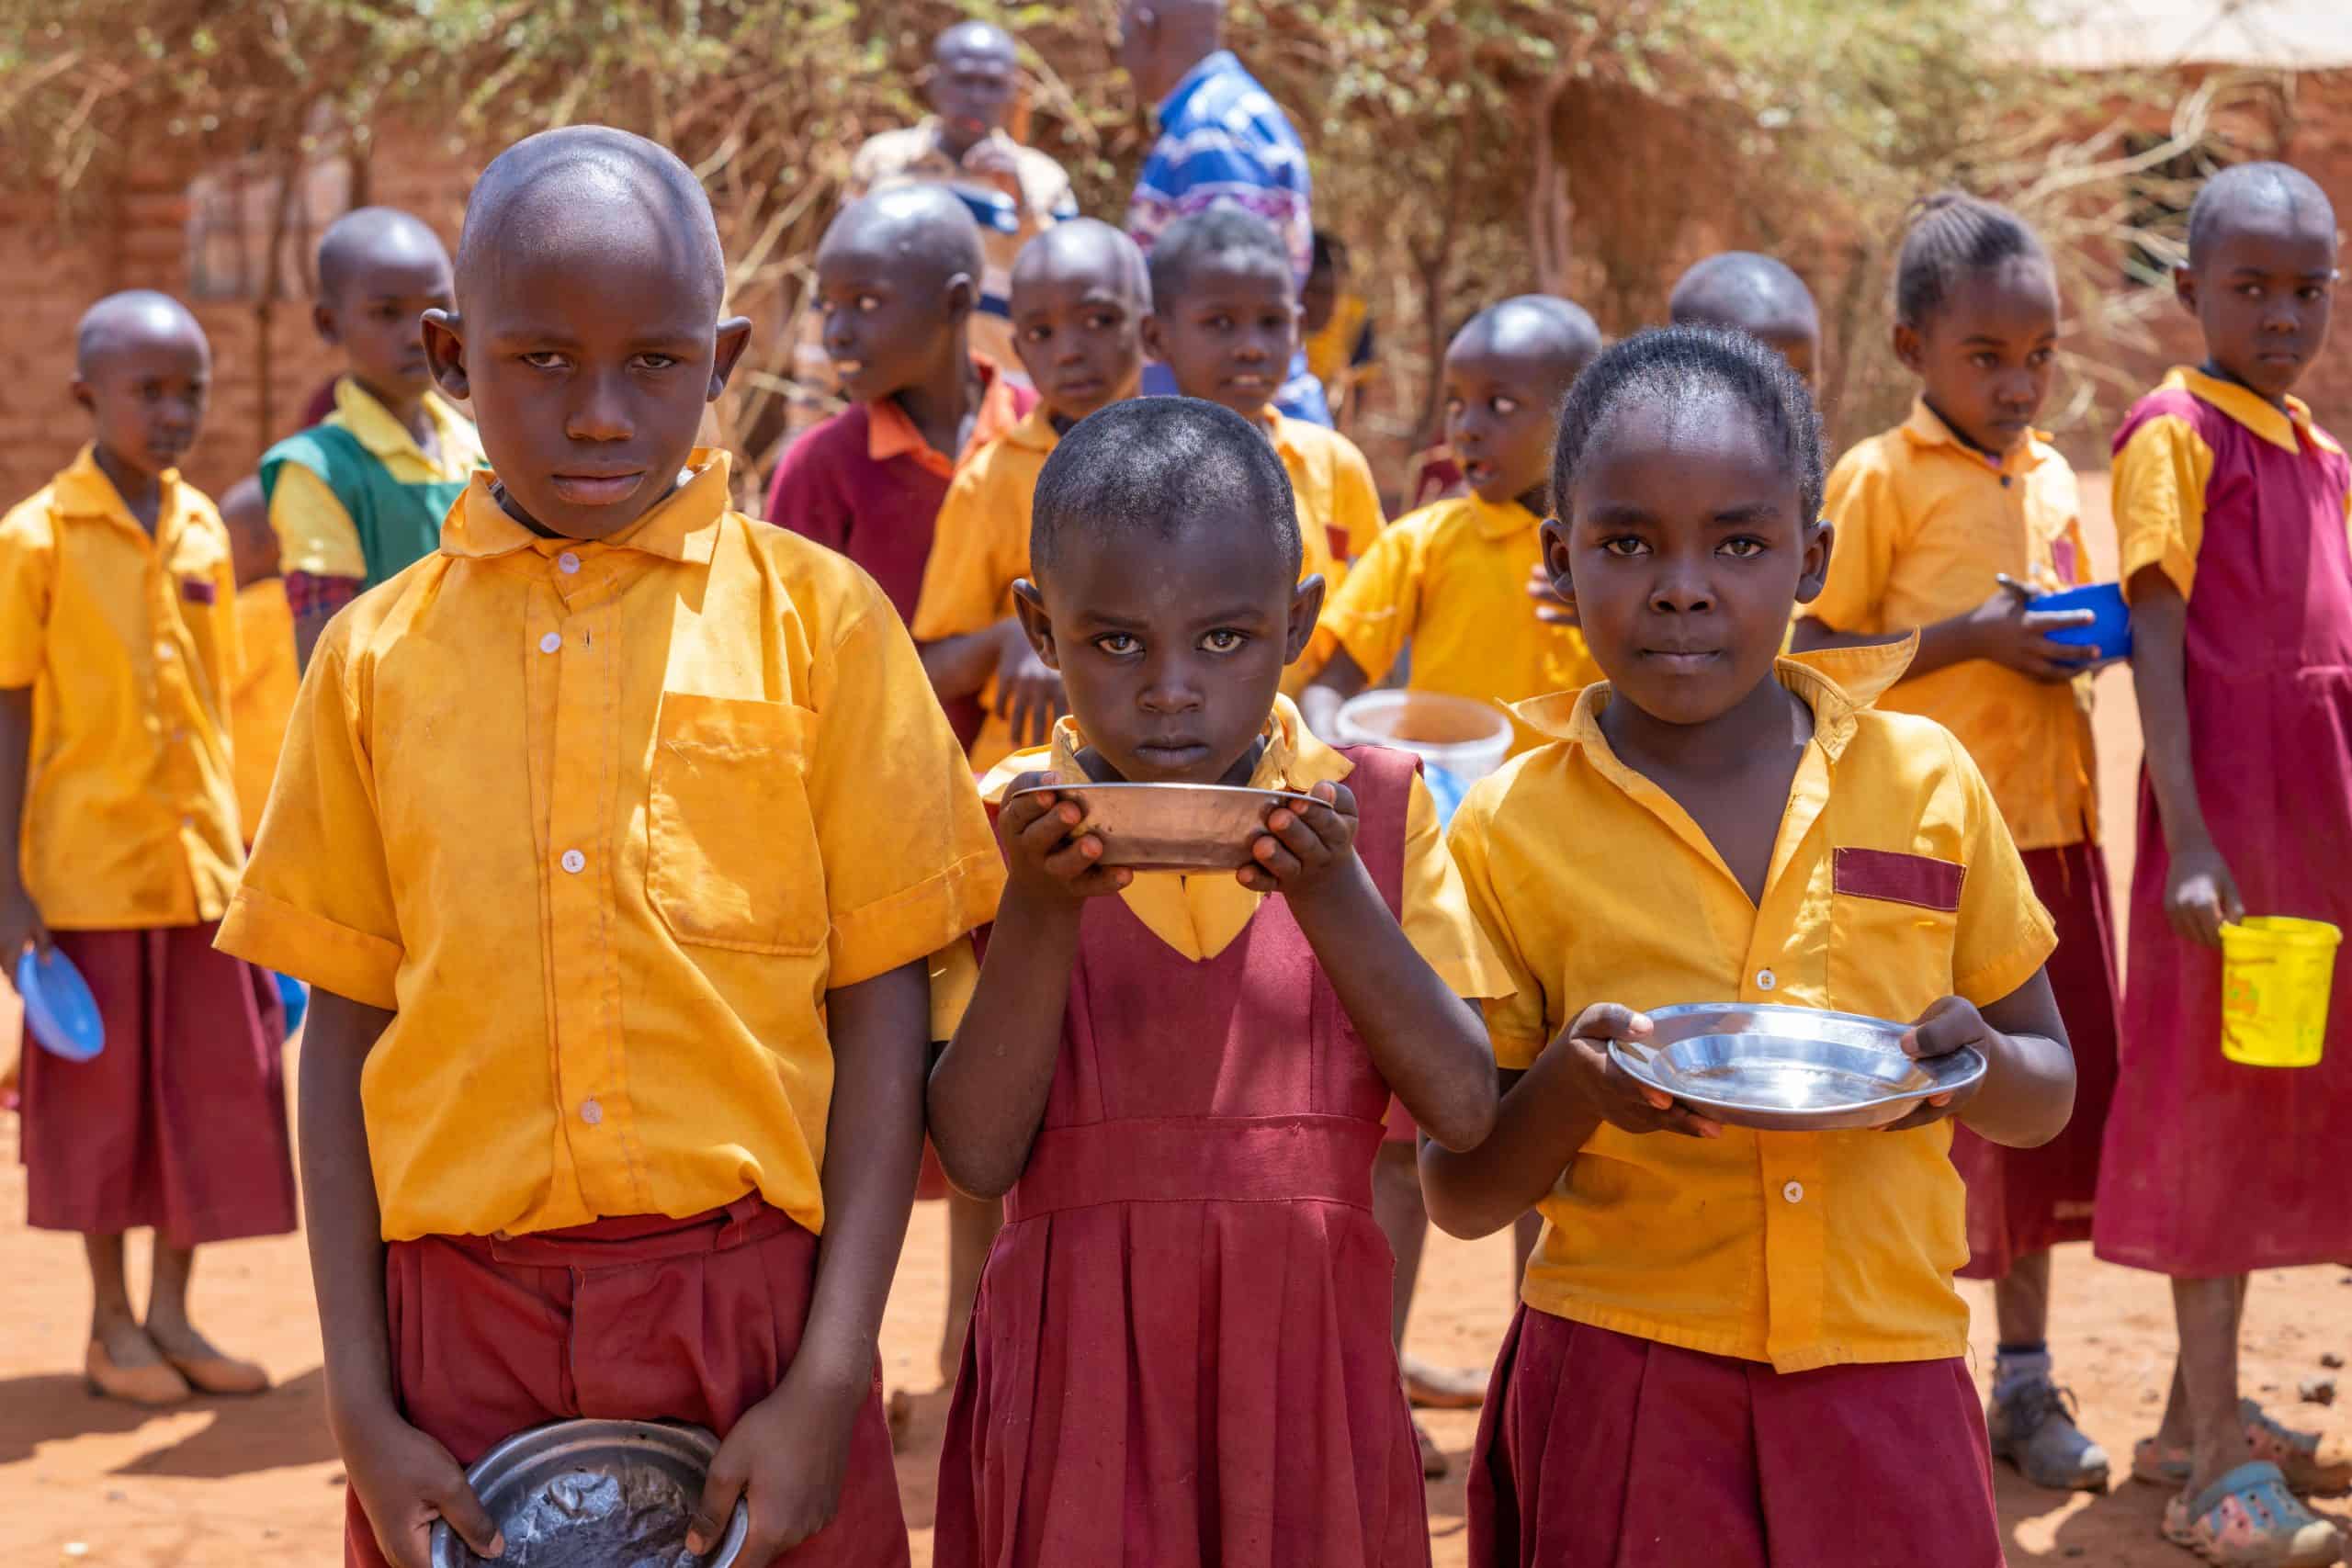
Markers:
2110,35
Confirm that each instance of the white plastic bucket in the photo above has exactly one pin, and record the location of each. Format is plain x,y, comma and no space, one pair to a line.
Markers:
1466,738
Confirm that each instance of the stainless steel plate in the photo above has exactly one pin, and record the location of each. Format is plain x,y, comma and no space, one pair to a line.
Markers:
1790,1069
595,1495
1174,827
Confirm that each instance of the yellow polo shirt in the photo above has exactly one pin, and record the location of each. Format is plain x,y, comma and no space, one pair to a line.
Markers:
1452,580
602,823
1339,502
129,644
982,546
262,699
315,535
1894,883
1200,915
1924,525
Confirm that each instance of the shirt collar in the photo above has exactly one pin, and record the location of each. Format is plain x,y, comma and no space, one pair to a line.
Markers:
1501,519
1925,427
2250,409
1212,65
1836,684
1035,429
683,527
372,424
83,490
890,434
1294,758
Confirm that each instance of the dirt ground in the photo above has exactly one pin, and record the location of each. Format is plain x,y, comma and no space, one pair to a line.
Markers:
255,1484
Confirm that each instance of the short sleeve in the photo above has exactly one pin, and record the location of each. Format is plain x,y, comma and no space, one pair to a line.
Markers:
1862,507
2159,500
971,566
28,567
910,864
1376,610
1355,498
2004,934
1516,1021
1437,918
315,535
316,901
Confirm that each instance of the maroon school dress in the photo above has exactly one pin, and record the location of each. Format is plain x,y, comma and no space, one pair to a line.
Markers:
2212,1168
1180,1351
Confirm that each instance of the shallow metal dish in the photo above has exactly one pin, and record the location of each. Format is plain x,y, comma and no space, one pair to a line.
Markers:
1790,1069
1174,827
595,1495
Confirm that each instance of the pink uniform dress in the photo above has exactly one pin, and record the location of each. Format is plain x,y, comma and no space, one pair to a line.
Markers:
2213,1169
1180,1351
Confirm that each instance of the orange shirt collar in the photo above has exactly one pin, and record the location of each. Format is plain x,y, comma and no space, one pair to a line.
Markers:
1837,684
890,434
1928,428
2249,409
83,490
683,527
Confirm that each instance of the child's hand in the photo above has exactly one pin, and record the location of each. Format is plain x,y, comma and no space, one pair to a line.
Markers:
1028,691
786,1459
2200,895
1302,852
20,926
1044,852
1609,1091
1550,608
405,1481
1947,1025
994,161
2002,630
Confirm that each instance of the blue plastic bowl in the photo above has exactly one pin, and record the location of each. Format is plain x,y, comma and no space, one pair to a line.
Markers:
296,996
1446,791
2110,631
59,1008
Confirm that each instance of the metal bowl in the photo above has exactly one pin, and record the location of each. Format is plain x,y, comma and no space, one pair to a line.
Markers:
1174,827
1788,1069
595,1495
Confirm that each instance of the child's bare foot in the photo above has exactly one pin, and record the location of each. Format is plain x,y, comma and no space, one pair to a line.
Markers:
1442,1388
123,1363
205,1366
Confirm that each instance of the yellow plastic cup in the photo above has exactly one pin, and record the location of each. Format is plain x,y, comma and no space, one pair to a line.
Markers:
2277,972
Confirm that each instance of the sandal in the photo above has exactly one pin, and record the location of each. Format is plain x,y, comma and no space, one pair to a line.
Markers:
2315,1466
2249,1519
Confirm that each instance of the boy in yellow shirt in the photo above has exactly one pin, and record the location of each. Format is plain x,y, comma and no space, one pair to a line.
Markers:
261,699
360,495
1224,320
1736,1346
118,847
612,1099
1079,302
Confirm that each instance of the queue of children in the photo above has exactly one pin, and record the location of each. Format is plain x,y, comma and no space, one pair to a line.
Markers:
614,1103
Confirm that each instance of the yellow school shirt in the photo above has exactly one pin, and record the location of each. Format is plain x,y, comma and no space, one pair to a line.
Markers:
1894,883
1199,916
980,548
1452,580
1339,502
262,698
129,644
1925,524
315,535
602,823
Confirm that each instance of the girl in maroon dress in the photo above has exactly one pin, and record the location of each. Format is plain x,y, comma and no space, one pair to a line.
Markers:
1181,1350
2230,508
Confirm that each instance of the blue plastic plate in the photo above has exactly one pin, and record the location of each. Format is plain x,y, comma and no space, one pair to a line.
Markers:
2110,632
59,1008
296,996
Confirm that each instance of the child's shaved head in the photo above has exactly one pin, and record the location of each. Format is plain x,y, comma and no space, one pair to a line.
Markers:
2243,190
1224,234
134,316
925,232
561,191
368,236
1541,327
1158,465
1085,246
1742,292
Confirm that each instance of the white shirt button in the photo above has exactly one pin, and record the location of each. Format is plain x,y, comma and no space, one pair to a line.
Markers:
566,563
591,1112
550,642
1793,1191
165,651
574,862
1765,979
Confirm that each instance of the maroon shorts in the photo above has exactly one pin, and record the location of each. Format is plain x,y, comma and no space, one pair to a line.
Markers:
642,1318
1603,1449
2025,1200
180,1122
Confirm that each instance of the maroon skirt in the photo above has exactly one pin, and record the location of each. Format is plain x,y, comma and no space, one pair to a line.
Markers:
180,1122
642,1318
2026,1201
1601,1450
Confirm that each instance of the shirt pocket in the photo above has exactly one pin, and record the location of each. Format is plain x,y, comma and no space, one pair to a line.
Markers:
1893,922
731,854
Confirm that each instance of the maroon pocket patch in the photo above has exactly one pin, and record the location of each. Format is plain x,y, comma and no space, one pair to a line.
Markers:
1921,880
1337,538
198,590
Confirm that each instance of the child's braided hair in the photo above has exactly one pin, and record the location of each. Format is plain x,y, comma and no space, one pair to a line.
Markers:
1946,236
